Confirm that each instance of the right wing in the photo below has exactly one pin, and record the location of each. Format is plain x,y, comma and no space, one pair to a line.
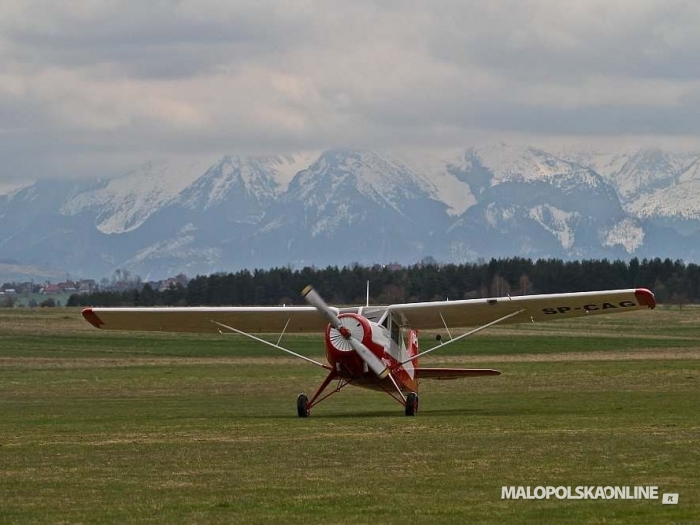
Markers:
535,308
453,373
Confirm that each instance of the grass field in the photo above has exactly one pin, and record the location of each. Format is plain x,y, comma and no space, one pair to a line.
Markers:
98,427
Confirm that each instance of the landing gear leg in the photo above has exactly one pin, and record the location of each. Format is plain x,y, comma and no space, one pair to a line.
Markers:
303,406
412,404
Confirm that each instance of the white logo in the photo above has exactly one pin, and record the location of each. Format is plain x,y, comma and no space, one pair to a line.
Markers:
670,498
588,492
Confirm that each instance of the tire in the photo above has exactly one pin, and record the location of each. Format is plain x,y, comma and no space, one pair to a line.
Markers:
303,406
412,404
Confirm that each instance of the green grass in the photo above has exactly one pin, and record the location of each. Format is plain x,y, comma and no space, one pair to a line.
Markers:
100,427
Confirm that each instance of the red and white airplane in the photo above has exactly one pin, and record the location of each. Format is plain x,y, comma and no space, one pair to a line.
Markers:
373,346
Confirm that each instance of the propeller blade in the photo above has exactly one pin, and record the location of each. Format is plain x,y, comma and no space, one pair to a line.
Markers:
373,362
314,299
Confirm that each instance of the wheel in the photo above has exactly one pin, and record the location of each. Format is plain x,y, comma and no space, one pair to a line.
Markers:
412,404
303,405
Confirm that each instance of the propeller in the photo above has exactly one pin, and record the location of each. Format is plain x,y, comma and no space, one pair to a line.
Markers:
373,362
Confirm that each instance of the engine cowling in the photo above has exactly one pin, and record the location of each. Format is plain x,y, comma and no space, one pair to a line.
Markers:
339,351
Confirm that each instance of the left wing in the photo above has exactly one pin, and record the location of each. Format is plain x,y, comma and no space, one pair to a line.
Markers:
536,308
250,319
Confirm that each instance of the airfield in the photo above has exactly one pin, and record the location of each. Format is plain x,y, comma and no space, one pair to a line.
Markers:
100,427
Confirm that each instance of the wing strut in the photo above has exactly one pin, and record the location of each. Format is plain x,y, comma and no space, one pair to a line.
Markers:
403,397
283,331
442,345
273,345
445,325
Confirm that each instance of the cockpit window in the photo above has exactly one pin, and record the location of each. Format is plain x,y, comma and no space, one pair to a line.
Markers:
395,332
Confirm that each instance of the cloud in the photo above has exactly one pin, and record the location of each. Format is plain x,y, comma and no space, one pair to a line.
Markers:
90,87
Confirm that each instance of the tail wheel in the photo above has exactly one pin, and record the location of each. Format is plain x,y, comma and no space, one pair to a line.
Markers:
303,406
412,404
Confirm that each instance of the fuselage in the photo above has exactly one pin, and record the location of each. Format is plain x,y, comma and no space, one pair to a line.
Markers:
385,340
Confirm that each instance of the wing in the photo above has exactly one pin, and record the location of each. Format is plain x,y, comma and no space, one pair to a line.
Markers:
202,319
453,373
537,308
431,315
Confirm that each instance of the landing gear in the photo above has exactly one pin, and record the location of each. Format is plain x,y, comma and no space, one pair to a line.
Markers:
303,406
412,404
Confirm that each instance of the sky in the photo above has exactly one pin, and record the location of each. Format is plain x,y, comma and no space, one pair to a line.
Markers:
94,88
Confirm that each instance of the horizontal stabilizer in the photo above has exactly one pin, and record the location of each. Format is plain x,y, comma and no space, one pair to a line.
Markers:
453,373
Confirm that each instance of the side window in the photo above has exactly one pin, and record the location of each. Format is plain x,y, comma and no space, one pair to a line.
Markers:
395,332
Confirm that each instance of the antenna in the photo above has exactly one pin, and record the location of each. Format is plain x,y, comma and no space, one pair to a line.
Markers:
367,304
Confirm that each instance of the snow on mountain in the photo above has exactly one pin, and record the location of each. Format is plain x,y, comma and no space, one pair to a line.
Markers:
498,217
284,167
515,163
245,186
651,183
527,164
179,252
558,222
605,163
441,183
122,204
231,175
382,179
532,203
354,206
646,171
679,198
340,186
626,233
7,189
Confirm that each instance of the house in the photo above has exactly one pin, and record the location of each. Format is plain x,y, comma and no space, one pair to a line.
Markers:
50,289
87,286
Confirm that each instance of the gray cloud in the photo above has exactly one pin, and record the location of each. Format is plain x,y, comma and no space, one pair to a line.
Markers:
146,39
561,40
88,88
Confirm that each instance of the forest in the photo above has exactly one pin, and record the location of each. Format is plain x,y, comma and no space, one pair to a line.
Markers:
671,281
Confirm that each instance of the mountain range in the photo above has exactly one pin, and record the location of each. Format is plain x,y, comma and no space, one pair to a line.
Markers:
344,206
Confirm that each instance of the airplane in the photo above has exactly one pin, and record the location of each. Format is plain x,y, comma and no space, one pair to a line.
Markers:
374,347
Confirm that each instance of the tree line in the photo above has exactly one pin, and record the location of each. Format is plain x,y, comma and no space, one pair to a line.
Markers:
671,281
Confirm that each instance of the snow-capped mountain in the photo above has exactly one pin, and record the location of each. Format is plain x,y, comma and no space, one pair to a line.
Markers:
125,203
655,185
353,206
344,206
535,204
